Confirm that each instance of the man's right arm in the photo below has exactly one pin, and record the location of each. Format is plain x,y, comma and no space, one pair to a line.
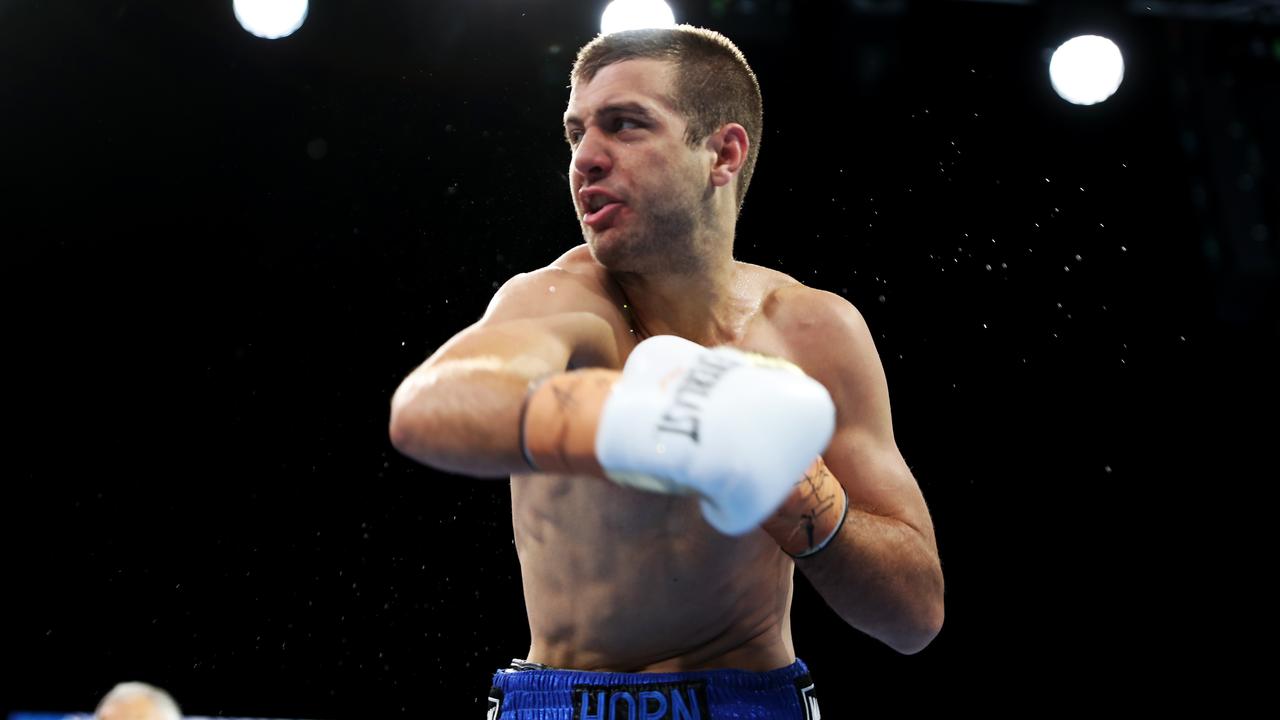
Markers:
460,410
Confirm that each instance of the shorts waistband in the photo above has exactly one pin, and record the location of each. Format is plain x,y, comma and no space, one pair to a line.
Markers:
532,691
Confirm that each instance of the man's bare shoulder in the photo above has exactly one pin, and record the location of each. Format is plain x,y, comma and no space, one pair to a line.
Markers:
789,303
574,267
578,260
567,284
814,323
809,322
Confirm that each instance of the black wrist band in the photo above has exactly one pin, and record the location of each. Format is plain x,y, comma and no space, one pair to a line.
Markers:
524,409
844,514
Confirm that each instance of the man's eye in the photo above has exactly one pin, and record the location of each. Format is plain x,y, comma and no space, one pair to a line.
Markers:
574,136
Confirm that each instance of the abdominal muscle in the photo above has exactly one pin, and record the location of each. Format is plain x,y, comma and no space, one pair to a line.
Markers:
621,580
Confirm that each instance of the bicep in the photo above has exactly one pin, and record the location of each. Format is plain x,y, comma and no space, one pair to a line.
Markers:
877,479
863,453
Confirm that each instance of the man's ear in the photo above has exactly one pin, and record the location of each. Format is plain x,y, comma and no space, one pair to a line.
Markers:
730,145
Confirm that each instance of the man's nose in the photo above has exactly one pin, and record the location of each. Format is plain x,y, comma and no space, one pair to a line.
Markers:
591,158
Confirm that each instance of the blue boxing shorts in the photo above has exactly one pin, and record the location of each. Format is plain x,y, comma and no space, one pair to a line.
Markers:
531,691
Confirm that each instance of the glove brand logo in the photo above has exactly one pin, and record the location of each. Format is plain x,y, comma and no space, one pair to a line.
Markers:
682,418
660,701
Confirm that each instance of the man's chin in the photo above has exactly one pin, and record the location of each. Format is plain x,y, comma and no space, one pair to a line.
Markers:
611,249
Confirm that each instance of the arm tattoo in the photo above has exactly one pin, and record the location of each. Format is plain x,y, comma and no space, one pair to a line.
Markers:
817,505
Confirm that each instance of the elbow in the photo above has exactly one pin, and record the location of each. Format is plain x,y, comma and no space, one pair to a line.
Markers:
928,614
922,633
408,428
403,438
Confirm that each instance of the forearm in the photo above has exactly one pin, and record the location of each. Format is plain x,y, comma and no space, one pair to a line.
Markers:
881,575
460,411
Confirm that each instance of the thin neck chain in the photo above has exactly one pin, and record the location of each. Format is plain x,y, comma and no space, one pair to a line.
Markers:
632,319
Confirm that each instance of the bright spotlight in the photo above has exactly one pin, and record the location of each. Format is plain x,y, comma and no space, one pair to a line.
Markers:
270,19
1086,70
636,14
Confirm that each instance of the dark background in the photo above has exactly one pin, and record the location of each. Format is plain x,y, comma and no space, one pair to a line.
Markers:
224,253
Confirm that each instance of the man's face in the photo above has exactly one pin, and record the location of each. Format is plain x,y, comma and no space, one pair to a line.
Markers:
628,142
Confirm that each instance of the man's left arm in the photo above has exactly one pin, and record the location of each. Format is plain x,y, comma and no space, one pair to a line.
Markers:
881,572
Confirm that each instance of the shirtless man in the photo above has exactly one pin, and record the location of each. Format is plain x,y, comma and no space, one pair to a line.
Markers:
670,464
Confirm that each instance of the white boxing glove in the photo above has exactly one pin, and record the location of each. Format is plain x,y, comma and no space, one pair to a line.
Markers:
736,428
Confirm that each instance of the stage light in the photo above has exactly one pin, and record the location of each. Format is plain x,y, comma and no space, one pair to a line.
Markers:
1086,70
270,19
636,14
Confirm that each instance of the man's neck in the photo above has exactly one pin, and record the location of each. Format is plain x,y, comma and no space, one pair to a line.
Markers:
707,307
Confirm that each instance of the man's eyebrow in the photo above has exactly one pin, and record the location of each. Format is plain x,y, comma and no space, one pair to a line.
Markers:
627,107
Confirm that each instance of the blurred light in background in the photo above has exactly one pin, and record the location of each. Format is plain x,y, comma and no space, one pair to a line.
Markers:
636,14
270,19
1086,70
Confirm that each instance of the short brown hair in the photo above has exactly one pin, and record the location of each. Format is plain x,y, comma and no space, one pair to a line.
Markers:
713,86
